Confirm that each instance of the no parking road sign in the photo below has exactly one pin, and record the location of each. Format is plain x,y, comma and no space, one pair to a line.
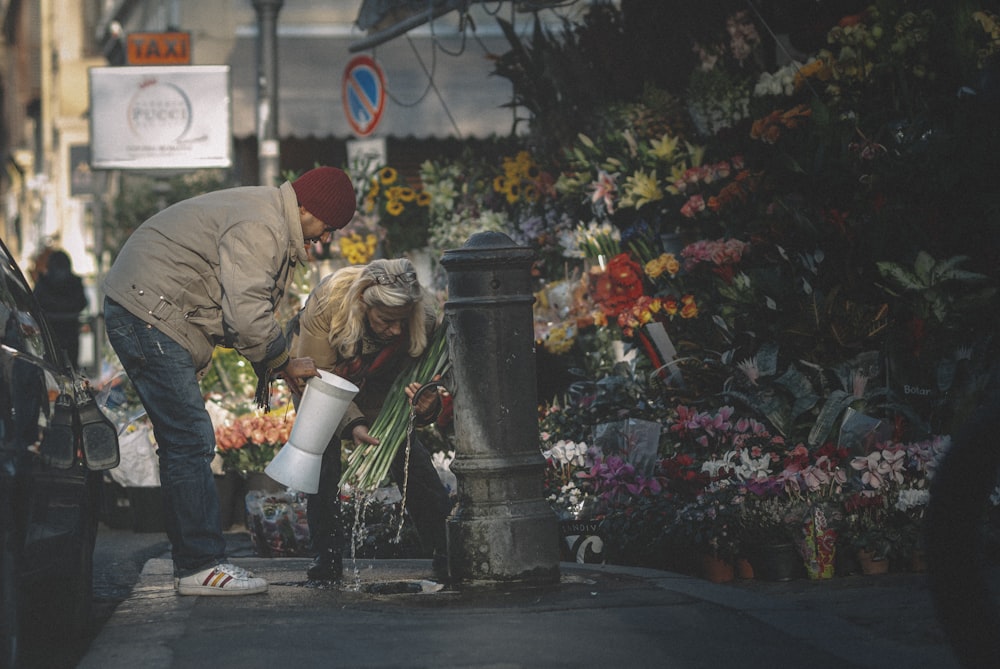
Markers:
363,94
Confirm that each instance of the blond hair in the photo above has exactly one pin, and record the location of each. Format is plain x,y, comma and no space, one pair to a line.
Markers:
354,289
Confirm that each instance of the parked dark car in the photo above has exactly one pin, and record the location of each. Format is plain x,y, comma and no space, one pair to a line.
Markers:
54,442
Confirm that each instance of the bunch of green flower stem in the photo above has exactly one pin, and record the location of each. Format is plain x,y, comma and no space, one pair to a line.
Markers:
368,465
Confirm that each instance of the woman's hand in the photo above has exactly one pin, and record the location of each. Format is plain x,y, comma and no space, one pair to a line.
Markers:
425,399
297,372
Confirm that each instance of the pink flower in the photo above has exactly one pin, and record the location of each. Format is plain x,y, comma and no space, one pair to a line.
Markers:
869,468
695,204
604,189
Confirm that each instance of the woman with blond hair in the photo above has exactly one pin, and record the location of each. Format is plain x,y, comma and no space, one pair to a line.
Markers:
364,323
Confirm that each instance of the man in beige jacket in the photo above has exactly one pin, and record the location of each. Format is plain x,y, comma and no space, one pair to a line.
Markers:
207,272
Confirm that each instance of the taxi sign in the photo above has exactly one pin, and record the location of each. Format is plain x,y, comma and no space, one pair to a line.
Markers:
362,92
173,48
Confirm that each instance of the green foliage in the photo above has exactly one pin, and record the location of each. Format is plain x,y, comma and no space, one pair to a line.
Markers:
937,290
140,196
230,375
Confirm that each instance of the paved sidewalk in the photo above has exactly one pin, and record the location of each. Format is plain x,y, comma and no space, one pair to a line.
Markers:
392,615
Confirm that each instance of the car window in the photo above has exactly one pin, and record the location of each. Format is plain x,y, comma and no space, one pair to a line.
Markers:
19,327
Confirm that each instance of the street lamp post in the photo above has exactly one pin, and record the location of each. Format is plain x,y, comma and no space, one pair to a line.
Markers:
268,152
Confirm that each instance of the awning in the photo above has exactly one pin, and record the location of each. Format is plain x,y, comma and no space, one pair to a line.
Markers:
441,92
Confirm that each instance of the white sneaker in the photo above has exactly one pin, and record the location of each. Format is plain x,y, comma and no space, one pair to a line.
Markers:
222,579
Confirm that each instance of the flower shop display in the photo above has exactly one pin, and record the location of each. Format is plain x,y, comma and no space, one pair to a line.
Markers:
766,285
401,211
766,263
248,443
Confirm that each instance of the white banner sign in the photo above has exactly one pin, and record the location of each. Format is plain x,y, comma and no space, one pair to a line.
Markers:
160,117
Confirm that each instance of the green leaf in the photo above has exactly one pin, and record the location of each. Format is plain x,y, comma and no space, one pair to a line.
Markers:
902,277
836,402
924,268
800,388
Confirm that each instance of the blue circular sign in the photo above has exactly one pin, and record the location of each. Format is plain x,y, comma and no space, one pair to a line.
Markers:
363,94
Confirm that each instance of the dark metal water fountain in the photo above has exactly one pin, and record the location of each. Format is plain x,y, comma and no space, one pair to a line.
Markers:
502,529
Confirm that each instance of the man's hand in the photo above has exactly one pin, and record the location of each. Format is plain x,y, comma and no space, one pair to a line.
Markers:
361,436
297,372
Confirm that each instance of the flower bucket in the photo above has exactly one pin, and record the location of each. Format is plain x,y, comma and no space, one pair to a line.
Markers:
716,569
819,548
871,565
582,542
744,569
324,403
776,562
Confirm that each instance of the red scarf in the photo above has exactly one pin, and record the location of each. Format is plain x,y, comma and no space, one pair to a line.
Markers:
354,369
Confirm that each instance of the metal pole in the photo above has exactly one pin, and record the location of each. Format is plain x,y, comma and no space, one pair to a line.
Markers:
268,152
97,322
502,528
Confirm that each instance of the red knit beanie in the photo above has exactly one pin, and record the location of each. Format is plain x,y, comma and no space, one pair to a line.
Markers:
327,194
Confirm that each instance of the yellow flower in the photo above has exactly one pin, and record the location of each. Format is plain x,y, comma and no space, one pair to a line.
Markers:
641,188
664,147
665,263
696,154
676,176
560,340
500,184
689,308
387,175
394,207
513,193
407,194
423,199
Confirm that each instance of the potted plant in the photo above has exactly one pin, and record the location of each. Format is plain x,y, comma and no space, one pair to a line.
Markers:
709,527
770,525
871,534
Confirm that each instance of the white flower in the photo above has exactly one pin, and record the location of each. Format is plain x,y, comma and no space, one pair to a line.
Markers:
566,452
712,467
751,468
911,498
781,82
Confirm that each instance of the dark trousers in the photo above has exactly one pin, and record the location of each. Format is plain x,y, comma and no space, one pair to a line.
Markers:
427,502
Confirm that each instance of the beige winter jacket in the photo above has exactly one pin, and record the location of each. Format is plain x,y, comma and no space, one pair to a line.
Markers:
210,270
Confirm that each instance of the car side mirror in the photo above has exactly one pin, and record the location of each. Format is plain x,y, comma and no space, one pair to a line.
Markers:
98,435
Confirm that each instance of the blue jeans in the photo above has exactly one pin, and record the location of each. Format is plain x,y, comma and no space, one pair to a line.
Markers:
163,375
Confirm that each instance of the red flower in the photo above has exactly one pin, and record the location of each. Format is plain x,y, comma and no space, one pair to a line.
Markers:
615,289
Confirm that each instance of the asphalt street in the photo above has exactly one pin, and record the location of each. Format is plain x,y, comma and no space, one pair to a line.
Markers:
858,619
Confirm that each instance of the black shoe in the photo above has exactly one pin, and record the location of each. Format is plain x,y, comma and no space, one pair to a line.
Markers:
328,566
